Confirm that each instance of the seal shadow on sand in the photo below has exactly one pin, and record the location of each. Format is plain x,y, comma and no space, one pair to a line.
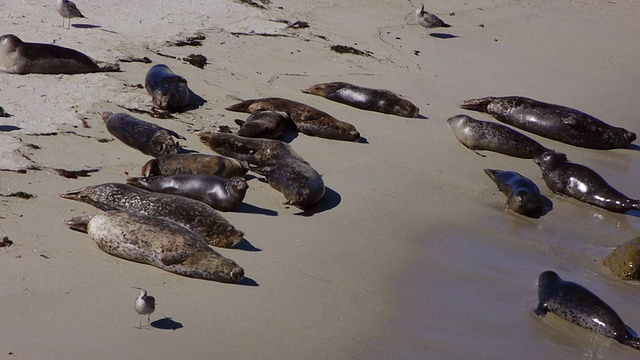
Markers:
195,101
547,205
330,200
633,147
166,323
7,128
245,245
86,26
252,209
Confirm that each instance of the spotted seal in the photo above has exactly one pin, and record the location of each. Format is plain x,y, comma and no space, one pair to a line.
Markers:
157,242
552,121
195,164
264,124
523,196
193,214
379,100
168,90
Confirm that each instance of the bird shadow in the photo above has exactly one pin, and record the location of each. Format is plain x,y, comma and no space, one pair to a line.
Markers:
85,26
330,200
245,245
252,209
166,323
7,128
443,36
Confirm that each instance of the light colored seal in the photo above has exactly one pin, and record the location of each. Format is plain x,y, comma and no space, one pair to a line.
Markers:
523,196
556,122
68,10
379,100
193,214
195,164
34,58
576,304
157,242
264,124
168,90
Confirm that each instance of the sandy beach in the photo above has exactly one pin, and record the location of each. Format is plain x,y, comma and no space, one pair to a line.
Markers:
410,255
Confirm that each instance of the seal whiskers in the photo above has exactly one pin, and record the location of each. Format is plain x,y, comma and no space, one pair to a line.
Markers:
144,305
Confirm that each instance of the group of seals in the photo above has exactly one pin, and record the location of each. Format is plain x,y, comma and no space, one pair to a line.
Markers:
168,90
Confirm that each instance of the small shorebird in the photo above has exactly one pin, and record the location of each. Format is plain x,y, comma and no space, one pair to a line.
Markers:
144,305
68,10
429,20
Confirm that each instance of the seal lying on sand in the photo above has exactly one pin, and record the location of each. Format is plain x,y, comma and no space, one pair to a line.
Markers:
580,306
193,214
308,120
555,122
34,58
485,135
523,196
582,183
264,124
195,164
168,90
383,101
219,193
149,138
157,242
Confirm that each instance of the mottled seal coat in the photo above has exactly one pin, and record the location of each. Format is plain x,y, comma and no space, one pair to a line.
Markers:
523,196
486,135
264,124
552,121
383,101
34,58
195,164
255,151
308,120
193,214
168,90
582,183
580,306
157,242
149,138
219,193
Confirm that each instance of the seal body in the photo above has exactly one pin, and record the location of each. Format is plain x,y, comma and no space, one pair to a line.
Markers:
582,183
168,90
34,58
383,101
308,120
485,135
552,121
149,138
264,124
157,242
193,214
195,164
580,306
219,193
523,196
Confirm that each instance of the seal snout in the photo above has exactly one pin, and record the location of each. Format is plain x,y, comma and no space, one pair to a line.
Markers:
237,273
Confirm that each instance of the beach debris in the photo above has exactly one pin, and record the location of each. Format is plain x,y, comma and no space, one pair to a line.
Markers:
255,4
21,194
154,112
74,174
189,41
196,60
130,58
5,242
624,260
344,49
144,305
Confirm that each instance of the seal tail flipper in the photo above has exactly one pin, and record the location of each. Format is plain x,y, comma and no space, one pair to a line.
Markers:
107,67
241,106
541,310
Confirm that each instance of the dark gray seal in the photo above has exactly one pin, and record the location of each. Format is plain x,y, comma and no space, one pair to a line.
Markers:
523,196
219,193
581,183
486,135
195,164
193,214
34,58
580,306
552,121
379,100
157,242
168,90
149,138
264,124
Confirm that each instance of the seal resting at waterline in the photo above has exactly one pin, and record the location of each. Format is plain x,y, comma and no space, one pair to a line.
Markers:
194,215
168,90
195,164
580,306
556,122
379,100
157,242
264,124
34,58
523,196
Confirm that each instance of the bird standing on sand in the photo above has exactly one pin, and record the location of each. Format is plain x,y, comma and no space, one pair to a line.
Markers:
428,20
68,10
144,305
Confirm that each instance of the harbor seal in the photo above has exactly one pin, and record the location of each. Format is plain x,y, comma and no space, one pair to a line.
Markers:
264,124
219,193
34,58
150,139
383,101
193,214
255,151
157,242
308,120
68,10
523,196
195,164
168,90
485,135
581,183
552,121
576,304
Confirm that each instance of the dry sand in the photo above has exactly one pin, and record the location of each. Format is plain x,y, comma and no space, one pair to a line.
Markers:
411,255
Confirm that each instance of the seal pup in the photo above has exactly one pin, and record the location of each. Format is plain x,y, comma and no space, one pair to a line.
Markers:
219,193
264,124
485,135
68,10
308,120
149,138
582,183
523,196
34,58
195,164
192,214
576,304
429,20
379,100
168,90
158,242
144,305
555,122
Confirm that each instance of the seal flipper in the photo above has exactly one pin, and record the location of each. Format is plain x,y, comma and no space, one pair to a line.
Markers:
632,342
174,258
541,310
